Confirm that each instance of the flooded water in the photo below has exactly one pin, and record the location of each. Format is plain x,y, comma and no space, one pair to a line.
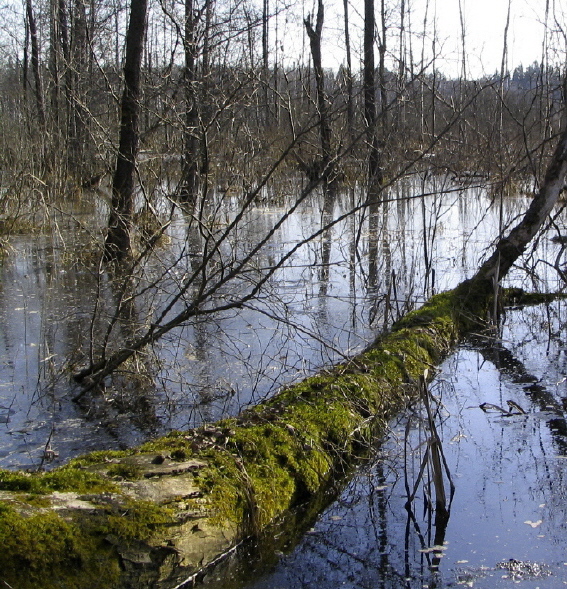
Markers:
507,523
320,304
327,300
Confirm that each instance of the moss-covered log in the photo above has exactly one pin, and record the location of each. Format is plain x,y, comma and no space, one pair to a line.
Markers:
154,515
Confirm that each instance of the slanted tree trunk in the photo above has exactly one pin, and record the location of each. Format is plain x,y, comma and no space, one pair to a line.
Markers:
511,247
118,244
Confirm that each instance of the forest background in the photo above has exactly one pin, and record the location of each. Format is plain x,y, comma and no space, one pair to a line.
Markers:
150,112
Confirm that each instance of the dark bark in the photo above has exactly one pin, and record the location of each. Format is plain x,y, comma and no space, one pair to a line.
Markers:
54,66
206,111
35,64
349,83
190,180
77,74
322,102
382,45
117,244
369,89
266,61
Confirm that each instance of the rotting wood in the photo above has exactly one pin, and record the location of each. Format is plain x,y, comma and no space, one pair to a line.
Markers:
153,516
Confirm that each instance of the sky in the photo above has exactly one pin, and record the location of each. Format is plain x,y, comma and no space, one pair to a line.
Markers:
485,22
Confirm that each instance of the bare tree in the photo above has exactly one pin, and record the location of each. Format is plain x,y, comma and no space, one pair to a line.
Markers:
117,245
322,102
369,85
190,178
36,65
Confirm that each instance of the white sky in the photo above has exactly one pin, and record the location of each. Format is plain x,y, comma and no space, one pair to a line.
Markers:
485,21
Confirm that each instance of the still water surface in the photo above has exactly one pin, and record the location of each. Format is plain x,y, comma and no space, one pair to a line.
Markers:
327,301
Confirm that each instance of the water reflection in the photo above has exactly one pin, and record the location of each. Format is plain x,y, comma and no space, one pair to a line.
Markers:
507,520
321,304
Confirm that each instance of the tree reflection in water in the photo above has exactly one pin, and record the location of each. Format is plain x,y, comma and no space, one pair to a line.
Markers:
510,473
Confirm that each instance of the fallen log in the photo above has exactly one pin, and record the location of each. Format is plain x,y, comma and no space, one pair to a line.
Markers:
152,516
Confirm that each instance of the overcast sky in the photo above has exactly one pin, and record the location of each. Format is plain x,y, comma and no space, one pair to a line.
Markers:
485,22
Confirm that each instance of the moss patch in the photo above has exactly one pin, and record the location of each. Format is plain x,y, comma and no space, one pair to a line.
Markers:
132,520
44,551
256,466
67,478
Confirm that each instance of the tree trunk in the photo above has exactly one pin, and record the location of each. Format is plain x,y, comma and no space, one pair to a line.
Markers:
324,125
190,179
117,244
35,65
77,75
511,247
266,119
155,516
350,98
369,89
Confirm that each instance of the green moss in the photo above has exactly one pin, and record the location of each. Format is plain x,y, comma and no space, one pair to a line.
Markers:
66,478
174,442
519,297
44,551
287,447
99,457
444,305
269,466
134,520
36,500
130,472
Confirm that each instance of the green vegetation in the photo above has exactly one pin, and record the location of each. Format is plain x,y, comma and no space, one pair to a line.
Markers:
67,478
44,551
251,468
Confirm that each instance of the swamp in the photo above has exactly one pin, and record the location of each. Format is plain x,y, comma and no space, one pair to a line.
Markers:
506,465
272,322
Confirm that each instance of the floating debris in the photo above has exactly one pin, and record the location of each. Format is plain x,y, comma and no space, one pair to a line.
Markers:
522,569
436,549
